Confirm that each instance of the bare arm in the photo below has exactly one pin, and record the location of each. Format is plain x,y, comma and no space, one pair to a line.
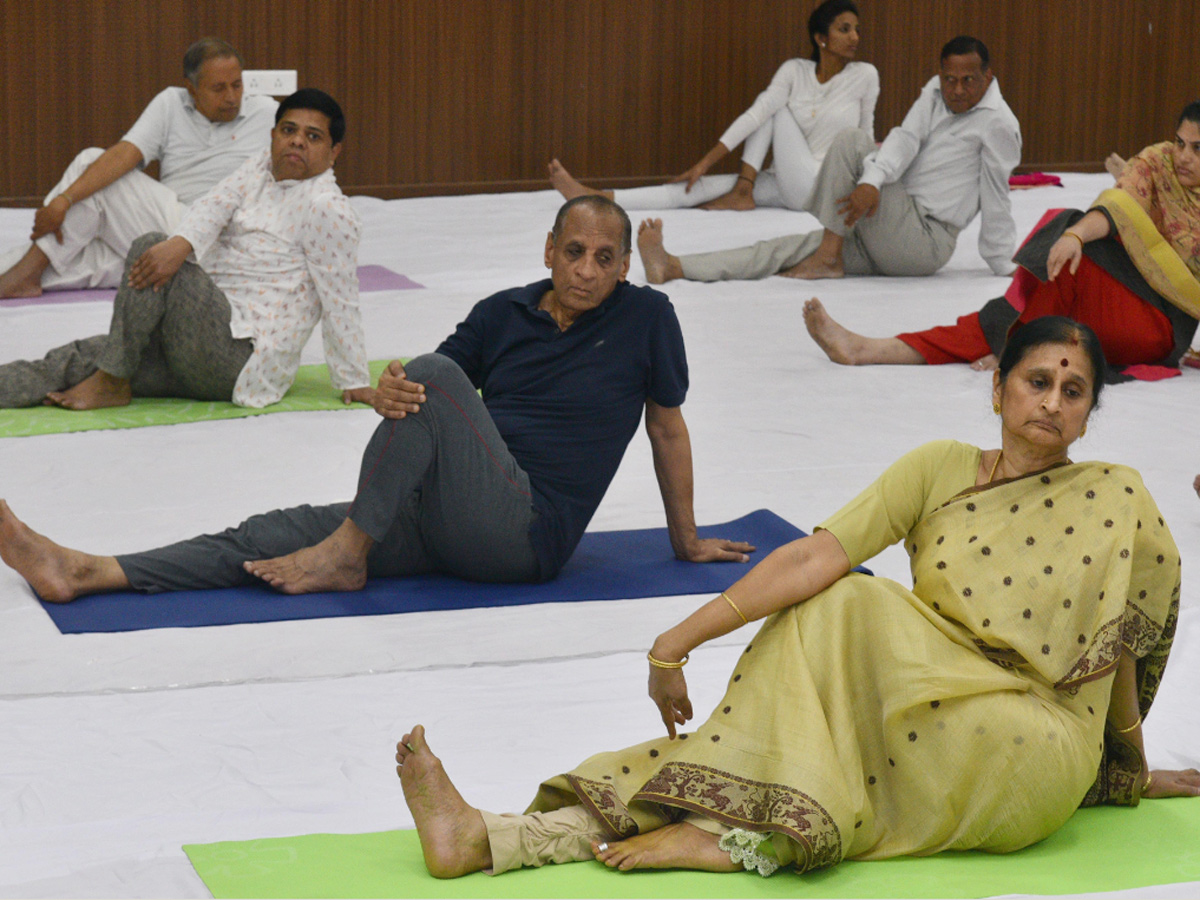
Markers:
710,159
117,160
790,575
672,448
1124,715
1068,249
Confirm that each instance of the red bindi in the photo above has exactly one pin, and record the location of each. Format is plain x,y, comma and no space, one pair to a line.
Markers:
1064,363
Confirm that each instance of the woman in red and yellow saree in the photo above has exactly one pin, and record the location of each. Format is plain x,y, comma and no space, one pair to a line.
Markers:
865,720
1128,268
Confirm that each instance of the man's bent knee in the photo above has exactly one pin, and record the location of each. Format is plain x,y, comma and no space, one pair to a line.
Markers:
852,141
433,367
142,244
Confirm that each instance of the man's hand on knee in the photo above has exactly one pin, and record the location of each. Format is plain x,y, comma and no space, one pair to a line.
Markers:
862,201
156,266
396,396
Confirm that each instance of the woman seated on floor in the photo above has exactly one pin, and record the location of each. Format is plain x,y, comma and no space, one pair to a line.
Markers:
806,105
1128,268
864,720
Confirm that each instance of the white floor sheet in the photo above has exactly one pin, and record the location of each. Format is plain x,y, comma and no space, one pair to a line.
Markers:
116,749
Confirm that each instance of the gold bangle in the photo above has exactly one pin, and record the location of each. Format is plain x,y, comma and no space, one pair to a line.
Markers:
741,615
1130,728
1074,235
70,199
659,664
1149,778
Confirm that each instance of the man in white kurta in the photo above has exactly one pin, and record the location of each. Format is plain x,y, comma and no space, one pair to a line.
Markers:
198,135
278,242
898,209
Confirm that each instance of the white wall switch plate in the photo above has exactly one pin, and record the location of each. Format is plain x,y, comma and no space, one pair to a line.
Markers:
275,82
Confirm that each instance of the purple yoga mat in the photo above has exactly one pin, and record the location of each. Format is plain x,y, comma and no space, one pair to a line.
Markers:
370,280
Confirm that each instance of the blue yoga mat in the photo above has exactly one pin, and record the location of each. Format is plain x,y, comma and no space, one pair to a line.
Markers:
607,565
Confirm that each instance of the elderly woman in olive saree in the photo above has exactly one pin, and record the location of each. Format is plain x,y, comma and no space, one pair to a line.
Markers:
865,720
1128,268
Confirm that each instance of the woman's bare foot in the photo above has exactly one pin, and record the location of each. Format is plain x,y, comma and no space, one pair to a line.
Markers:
678,846
839,344
660,265
338,563
56,574
98,391
816,267
845,347
985,363
741,198
563,182
25,278
453,837
1115,165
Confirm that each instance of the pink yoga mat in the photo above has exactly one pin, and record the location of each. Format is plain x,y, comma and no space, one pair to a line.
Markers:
370,279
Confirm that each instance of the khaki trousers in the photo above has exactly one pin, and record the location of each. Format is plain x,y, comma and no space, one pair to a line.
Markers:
900,239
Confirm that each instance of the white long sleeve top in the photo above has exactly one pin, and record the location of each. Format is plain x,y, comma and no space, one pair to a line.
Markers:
285,253
847,100
193,153
957,165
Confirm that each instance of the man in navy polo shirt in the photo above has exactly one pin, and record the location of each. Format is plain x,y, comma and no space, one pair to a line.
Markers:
491,488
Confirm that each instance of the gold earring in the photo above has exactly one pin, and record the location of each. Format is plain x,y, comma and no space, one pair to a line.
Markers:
996,408
1083,430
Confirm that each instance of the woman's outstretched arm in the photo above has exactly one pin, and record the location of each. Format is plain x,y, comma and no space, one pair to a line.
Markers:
790,575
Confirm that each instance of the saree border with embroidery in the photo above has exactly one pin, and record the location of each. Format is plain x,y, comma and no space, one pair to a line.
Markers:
1010,657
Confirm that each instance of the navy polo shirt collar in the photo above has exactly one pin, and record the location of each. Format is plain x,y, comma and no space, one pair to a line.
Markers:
532,301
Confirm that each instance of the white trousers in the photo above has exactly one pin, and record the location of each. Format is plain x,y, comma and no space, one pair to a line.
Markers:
98,231
788,183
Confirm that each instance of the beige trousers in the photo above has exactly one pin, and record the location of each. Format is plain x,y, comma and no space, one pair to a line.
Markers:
900,239
563,835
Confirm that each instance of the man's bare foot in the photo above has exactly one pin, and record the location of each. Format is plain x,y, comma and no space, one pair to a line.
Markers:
1196,485
56,574
678,846
985,363
660,265
1115,165
563,182
338,563
816,267
98,391
741,198
25,278
453,837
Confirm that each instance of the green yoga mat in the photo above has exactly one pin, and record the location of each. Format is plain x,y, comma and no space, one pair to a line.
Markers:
311,391
1100,849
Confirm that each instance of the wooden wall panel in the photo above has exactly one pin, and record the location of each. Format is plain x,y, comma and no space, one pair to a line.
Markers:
458,95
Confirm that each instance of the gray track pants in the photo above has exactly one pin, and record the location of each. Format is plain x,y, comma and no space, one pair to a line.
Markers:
173,342
438,492
900,239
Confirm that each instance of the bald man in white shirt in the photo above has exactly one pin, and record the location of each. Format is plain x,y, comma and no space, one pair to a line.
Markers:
279,245
897,210
198,135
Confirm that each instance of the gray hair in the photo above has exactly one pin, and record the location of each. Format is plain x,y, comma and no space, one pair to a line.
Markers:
204,50
601,205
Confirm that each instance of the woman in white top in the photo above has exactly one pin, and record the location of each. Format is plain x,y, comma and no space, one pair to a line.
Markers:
807,103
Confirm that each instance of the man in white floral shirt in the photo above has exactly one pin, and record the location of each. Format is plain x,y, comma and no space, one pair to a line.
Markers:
222,309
